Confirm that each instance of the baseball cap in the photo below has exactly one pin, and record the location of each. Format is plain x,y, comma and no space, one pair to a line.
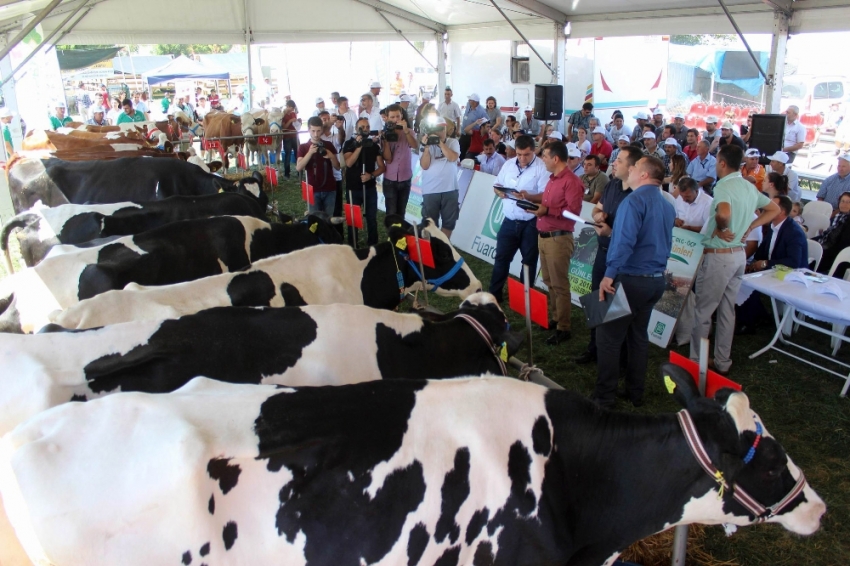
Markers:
727,125
641,116
845,157
96,109
6,113
529,109
710,119
624,138
512,144
556,135
320,100
648,136
573,151
753,152
375,84
779,156
474,97
658,112
599,130
679,115
671,141
404,98
426,96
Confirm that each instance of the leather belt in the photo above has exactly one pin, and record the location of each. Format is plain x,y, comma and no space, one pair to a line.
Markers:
723,250
643,275
555,233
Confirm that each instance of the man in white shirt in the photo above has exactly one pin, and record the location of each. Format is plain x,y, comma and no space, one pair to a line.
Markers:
140,104
203,108
348,115
370,111
779,162
450,110
529,124
439,179
795,134
692,205
491,162
525,172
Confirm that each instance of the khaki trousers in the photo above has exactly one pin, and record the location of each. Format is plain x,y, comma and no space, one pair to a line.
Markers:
555,254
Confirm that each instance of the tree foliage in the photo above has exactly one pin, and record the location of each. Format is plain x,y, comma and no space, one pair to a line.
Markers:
68,47
190,49
707,39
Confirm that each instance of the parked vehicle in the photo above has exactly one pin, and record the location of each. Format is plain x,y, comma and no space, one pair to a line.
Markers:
815,93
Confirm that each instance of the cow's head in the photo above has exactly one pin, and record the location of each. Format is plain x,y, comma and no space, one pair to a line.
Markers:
253,186
275,121
461,283
748,457
322,226
30,182
484,308
250,123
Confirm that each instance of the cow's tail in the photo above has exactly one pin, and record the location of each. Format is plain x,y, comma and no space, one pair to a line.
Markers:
22,220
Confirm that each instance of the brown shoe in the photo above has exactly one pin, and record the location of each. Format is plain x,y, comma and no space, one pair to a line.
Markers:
713,368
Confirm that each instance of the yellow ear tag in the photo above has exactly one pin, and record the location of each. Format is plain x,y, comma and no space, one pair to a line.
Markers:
314,227
221,190
503,353
401,244
671,387
395,225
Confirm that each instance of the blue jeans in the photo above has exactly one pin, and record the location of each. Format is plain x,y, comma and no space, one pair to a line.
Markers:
324,202
514,235
371,213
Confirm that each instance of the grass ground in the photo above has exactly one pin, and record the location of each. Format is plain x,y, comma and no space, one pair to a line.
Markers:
800,406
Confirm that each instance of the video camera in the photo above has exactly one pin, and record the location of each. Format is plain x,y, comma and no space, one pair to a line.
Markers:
390,132
320,147
366,140
432,128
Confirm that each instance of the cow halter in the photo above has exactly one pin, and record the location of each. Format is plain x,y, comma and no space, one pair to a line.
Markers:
749,503
439,280
500,355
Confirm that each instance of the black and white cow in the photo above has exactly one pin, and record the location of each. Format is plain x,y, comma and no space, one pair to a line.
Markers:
182,251
137,179
41,228
311,345
316,276
472,471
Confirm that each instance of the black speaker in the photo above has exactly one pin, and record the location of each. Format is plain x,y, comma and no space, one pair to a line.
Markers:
768,135
548,102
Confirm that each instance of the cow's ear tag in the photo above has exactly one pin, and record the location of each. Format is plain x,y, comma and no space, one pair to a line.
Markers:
671,387
221,190
401,244
313,227
395,225
503,353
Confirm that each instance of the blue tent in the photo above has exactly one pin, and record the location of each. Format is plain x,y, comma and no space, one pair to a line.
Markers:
183,68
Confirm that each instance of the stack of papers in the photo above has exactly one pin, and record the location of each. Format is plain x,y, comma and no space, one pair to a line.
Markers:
793,276
830,288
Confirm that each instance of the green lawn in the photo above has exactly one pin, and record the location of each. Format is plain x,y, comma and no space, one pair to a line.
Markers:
800,406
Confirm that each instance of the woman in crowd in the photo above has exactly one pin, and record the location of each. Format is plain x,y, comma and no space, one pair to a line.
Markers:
583,144
776,185
114,111
494,114
678,166
836,237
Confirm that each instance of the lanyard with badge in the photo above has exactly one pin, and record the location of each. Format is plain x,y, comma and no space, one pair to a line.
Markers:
514,183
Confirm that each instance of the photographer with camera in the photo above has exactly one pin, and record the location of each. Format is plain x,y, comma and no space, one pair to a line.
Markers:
396,185
332,135
438,160
319,160
363,163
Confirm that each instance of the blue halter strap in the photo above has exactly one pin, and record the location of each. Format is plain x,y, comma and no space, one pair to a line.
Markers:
439,280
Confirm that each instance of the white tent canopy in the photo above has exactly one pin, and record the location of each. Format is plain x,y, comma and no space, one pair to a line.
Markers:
283,21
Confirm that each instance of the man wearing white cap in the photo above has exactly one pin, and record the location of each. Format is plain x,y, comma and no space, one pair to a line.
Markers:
711,134
6,119
836,184
375,90
600,147
622,142
474,116
404,102
681,130
98,117
529,124
58,119
449,109
574,159
718,278
727,136
658,121
642,119
650,146
320,105
779,163
752,171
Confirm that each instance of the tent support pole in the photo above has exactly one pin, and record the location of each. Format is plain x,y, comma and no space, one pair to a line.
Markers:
441,65
46,41
525,39
776,64
248,48
29,27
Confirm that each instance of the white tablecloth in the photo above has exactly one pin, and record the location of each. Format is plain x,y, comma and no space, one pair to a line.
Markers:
807,300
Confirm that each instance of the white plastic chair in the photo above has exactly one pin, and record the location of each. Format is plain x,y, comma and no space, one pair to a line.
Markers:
815,223
815,253
817,207
842,257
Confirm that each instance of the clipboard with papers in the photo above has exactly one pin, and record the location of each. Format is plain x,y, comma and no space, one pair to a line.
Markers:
513,194
575,217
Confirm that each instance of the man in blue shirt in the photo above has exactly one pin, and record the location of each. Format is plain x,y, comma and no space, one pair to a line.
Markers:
474,114
637,260
703,167
836,184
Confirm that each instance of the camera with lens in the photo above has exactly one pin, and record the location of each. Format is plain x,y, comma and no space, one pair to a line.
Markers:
391,131
365,140
320,147
432,130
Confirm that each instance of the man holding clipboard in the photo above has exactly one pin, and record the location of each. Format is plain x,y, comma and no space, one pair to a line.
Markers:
637,258
525,172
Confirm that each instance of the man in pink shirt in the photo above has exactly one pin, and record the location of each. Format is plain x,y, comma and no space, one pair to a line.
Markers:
555,239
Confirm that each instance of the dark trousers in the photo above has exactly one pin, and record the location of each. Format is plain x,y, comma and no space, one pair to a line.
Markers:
338,208
371,213
290,145
396,195
514,235
465,140
751,311
597,275
642,294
